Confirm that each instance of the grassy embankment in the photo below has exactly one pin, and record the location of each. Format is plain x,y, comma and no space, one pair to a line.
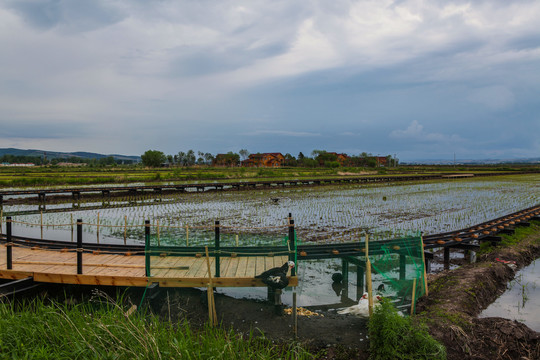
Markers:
49,176
40,330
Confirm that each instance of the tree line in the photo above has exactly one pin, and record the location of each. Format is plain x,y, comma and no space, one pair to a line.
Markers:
318,158
42,160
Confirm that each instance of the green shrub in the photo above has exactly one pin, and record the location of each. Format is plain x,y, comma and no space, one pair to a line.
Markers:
393,336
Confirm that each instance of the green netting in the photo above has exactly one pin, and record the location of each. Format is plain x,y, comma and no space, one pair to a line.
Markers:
229,244
398,264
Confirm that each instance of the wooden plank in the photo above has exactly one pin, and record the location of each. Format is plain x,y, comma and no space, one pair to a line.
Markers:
91,279
231,269
198,263
241,267
181,261
14,274
259,268
268,262
202,271
251,267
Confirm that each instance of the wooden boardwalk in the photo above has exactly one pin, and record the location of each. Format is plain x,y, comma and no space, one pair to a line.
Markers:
57,266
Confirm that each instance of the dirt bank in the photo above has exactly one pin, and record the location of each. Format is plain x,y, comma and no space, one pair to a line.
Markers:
457,297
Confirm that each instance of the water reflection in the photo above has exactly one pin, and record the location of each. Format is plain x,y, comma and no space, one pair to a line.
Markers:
521,301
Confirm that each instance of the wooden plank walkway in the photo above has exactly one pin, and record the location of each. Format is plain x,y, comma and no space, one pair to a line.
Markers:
121,270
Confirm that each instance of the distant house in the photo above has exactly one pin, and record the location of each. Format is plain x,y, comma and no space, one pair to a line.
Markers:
381,160
264,160
340,158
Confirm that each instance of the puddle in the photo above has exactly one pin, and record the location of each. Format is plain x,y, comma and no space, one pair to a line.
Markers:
521,301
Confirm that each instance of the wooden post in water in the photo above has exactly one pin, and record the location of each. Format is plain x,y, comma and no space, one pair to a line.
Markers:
217,247
97,232
125,229
368,278
147,247
413,296
41,223
424,263
360,274
402,266
446,258
292,246
157,228
210,292
9,254
79,247
71,222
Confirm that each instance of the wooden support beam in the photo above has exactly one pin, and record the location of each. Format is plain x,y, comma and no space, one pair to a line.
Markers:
446,258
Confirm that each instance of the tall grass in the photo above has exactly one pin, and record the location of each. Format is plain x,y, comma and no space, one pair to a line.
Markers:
39,330
393,336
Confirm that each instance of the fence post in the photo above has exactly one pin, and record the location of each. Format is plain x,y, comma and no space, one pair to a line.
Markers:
292,246
147,247
79,247
8,244
217,247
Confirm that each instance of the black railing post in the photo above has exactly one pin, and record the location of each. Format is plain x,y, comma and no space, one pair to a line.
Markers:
9,240
147,247
292,246
79,247
217,247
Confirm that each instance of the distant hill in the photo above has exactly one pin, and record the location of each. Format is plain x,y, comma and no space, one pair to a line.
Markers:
64,155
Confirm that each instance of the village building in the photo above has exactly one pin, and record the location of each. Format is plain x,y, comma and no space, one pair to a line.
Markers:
264,160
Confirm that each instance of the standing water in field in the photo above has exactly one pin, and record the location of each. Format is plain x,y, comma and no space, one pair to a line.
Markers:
521,301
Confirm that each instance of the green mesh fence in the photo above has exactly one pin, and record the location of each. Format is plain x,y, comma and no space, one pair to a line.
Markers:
398,265
220,244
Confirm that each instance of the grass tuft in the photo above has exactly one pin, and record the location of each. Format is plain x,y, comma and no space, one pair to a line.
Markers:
393,336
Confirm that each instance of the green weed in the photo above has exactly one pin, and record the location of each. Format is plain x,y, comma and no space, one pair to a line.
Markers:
393,336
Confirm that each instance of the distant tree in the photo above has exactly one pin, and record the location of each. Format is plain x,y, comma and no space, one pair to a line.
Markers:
308,162
109,160
209,158
243,154
182,158
316,153
371,161
153,158
290,160
300,156
190,158
170,159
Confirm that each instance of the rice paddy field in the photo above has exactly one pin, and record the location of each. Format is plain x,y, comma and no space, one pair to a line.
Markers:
322,214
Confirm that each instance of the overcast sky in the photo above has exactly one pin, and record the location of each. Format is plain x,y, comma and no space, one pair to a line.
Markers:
422,79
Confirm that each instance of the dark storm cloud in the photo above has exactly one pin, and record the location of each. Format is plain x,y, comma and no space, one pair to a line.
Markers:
66,14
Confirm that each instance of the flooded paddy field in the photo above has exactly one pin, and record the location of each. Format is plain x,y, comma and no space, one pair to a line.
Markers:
334,213
321,214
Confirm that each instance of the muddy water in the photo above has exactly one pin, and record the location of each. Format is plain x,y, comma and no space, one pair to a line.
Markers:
521,301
